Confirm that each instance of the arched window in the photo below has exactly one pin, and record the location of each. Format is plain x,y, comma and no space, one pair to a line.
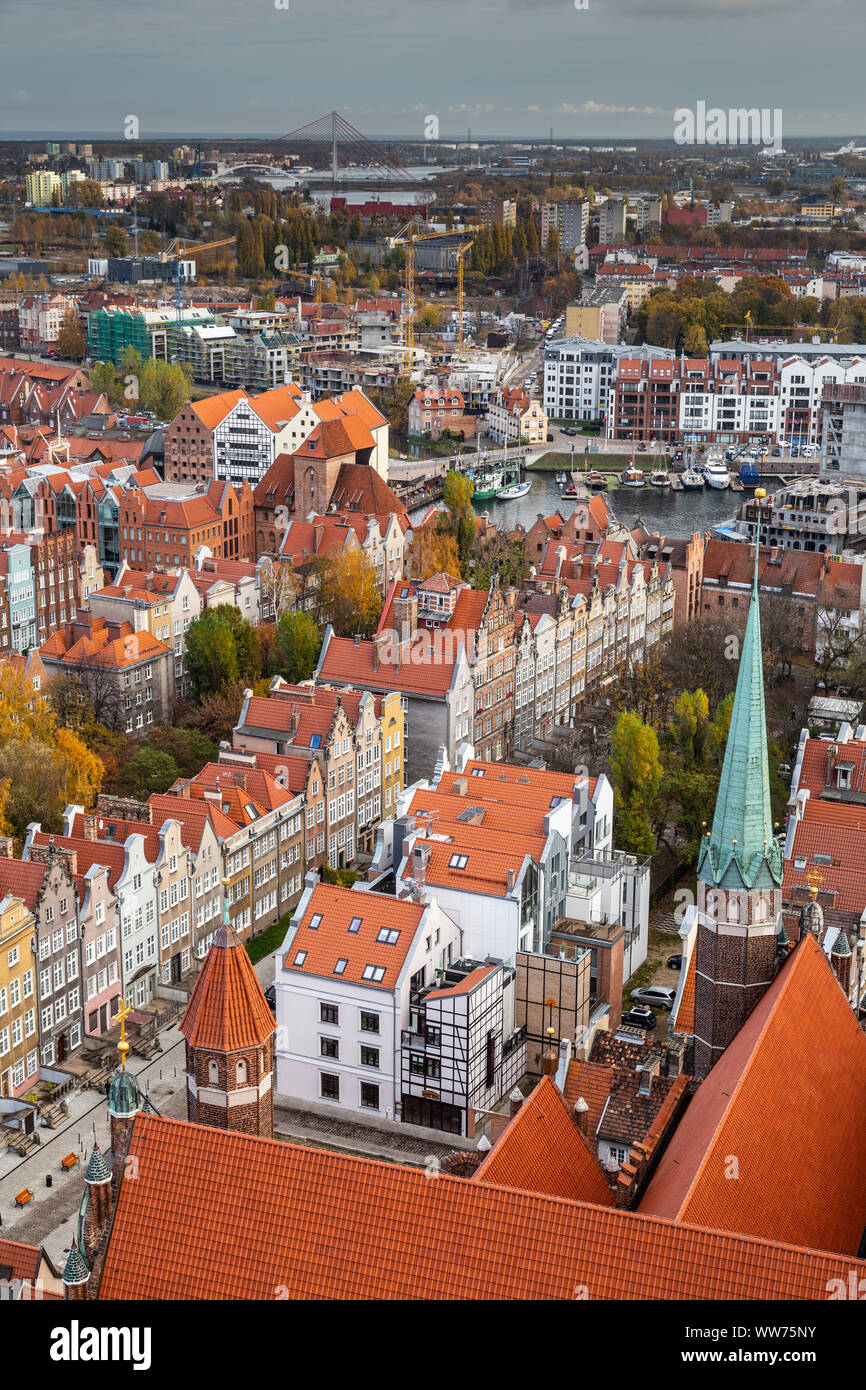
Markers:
213,1073
242,1072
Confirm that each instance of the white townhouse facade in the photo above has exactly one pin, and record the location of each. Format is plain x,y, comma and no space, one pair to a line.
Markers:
347,971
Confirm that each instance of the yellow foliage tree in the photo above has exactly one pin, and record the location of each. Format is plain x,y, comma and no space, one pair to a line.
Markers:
348,594
84,772
430,552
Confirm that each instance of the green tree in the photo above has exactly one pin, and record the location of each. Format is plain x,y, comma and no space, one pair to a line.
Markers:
222,649
296,647
148,770
637,776
163,388
116,242
149,242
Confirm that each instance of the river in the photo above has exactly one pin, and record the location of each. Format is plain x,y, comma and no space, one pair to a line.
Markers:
661,509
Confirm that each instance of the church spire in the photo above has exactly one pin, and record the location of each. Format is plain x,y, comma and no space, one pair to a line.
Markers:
741,851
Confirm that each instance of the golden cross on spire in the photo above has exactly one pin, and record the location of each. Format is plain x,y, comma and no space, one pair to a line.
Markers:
120,1017
813,878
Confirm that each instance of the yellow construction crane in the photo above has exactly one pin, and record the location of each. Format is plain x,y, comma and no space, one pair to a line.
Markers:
407,236
780,328
460,254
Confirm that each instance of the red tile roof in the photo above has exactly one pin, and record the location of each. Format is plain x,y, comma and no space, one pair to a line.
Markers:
542,1150
332,941
22,1261
227,1010
785,1101
220,1215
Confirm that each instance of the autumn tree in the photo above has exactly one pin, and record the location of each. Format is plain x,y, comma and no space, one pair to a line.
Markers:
348,594
71,342
278,587
430,551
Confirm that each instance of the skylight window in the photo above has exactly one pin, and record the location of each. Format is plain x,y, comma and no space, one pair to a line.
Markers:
389,935
315,921
458,861
374,972
316,741
355,924
340,966
300,958
478,772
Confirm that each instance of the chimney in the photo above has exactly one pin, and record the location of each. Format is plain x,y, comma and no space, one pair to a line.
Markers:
90,828
515,1100
647,1072
581,1116
406,616
420,860
461,786
511,878
357,639
6,847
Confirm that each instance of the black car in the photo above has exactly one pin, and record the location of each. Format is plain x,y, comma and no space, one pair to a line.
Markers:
568,430
675,962
271,997
640,1017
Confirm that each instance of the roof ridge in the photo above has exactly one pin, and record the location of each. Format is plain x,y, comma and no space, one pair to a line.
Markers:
783,987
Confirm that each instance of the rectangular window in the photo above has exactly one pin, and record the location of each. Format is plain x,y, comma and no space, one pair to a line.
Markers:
329,1047
369,1056
369,1096
369,1022
329,1013
330,1086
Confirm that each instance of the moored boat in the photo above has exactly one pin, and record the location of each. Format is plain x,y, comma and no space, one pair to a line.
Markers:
632,477
507,494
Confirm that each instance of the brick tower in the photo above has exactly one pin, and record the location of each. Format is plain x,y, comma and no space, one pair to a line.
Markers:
229,1033
740,865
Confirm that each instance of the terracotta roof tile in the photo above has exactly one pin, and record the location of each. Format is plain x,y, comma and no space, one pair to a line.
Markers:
330,941
786,1108
542,1150
227,1010
219,1215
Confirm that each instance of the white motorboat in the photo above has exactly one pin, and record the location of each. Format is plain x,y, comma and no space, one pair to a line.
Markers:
507,494
716,473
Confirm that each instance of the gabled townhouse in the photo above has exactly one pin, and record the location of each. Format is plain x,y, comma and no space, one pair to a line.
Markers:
95,868
49,892
19,1031
159,940
220,580
357,739
513,415
258,821
350,967
433,409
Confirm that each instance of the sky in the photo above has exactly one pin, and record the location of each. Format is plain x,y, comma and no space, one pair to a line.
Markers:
618,68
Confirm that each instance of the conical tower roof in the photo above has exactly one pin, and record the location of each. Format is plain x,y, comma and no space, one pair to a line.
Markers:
98,1170
227,1010
742,851
76,1270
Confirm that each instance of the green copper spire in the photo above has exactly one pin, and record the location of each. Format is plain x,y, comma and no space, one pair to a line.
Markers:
741,851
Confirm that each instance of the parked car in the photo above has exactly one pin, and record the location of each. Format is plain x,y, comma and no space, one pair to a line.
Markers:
655,997
675,962
641,448
568,430
271,998
640,1018
777,452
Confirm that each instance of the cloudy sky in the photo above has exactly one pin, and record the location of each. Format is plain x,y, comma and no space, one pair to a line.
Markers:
502,67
